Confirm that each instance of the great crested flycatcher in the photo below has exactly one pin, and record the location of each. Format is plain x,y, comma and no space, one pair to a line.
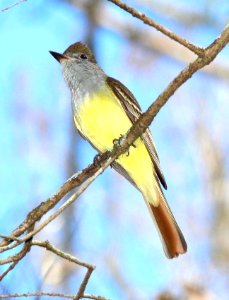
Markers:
103,110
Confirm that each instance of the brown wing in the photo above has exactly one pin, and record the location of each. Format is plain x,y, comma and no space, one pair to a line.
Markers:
133,111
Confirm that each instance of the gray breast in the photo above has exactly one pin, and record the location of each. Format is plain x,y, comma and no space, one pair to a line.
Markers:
83,78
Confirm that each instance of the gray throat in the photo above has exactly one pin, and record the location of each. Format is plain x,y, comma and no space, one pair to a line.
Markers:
83,78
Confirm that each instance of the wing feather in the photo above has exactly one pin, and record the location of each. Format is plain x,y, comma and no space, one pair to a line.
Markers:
133,110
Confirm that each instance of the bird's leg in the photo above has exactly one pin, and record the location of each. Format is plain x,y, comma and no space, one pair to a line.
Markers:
117,142
96,160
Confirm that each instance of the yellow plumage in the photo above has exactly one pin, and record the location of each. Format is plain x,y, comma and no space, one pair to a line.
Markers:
101,118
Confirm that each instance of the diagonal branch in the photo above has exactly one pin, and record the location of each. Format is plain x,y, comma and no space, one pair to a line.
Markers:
13,5
147,117
68,202
15,259
38,212
38,295
197,50
62,254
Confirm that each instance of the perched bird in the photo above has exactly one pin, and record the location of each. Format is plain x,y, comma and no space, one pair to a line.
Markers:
103,110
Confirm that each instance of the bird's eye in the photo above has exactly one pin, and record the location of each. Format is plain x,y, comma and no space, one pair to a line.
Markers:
83,56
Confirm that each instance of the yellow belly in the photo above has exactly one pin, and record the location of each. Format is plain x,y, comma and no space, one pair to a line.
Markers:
101,119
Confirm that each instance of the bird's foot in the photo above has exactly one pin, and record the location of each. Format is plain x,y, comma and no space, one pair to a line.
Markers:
117,142
96,160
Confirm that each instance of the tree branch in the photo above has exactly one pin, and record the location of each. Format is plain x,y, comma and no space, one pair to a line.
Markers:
38,295
76,180
147,117
13,5
197,50
48,246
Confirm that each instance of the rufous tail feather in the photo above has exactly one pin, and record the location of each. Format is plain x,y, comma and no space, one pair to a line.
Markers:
171,235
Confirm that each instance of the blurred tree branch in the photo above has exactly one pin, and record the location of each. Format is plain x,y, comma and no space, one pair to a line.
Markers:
13,5
71,216
217,186
184,16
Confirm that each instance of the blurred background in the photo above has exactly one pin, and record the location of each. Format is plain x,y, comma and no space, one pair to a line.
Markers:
109,225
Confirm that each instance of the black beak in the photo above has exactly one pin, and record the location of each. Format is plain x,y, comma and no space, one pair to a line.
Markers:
58,56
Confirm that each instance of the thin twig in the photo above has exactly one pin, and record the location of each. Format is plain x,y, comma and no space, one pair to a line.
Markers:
83,285
15,258
62,254
87,296
197,50
9,237
69,257
10,246
11,267
38,294
13,5
76,180
12,242
70,200
22,253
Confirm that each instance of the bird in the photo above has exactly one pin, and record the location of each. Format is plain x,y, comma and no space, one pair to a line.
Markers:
103,110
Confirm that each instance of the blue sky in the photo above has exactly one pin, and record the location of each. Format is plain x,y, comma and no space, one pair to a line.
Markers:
111,220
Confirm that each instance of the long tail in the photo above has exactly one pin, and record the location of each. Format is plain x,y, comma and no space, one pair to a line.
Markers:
171,235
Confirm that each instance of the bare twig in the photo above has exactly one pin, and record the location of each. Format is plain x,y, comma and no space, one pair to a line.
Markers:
13,5
11,267
87,296
68,202
41,294
69,257
73,182
38,294
197,50
10,237
83,285
62,254
25,249
15,259
12,241
185,16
